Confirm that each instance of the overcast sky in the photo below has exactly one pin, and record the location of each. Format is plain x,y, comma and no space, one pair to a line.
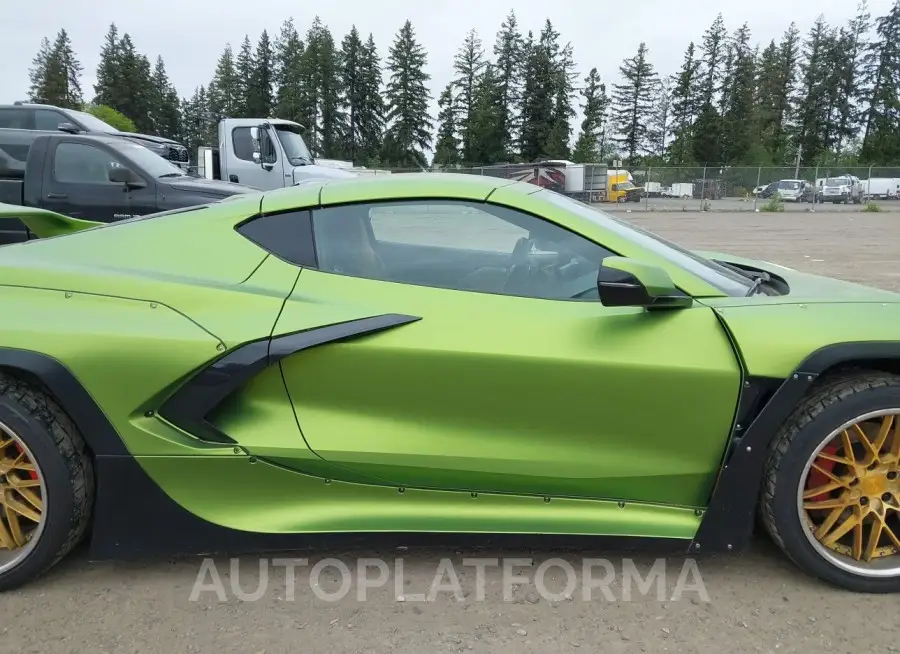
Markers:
191,34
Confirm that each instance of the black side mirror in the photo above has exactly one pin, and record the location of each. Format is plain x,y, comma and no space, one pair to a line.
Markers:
266,146
126,176
69,128
624,282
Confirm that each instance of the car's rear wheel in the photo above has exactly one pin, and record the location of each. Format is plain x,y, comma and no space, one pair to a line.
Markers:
46,483
832,494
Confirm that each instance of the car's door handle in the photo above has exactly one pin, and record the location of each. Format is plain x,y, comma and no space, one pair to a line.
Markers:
57,196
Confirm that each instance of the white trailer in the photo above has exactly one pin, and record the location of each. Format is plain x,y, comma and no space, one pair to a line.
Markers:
882,188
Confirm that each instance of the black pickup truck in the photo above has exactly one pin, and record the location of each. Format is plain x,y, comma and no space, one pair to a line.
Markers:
92,177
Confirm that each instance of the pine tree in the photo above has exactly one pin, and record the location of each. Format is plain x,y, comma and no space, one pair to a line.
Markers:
165,106
360,78
195,129
37,74
446,147
715,44
324,59
260,100
107,89
245,65
289,54
633,103
467,65
811,130
595,107
487,138
371,110
684,106
850,90
706,142
739,108
224,91
660,118
537,101
134,95
563,90
509,56
62,75
881,138
408,133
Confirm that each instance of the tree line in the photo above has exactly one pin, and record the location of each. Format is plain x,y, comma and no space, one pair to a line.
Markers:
827,97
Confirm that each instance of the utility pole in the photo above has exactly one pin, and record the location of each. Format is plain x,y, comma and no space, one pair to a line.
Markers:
797,164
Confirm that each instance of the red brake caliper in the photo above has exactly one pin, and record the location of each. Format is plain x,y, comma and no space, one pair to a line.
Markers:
19,450
817,478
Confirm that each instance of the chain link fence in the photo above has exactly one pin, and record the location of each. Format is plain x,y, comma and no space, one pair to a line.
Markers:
716,188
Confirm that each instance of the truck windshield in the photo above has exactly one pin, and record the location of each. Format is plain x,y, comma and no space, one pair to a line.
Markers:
719,276
293,144
837,181
148,162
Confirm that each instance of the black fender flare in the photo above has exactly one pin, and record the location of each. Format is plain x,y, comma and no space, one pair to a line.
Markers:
728,520
70,394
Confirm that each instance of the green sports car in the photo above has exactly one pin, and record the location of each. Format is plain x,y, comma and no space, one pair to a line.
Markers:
426,354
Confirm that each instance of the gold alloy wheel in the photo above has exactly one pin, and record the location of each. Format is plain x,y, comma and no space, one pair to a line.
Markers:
850,495
22,494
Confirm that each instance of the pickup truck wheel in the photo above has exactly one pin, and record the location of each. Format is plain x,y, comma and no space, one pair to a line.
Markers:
46,483
831,499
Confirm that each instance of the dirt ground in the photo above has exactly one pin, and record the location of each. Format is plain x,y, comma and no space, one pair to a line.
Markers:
753,602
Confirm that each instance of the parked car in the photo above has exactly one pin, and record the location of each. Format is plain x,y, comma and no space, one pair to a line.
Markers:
44,117
299,366
93,177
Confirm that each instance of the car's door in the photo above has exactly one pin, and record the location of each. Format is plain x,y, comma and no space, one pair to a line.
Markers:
497,368
76,183
244,166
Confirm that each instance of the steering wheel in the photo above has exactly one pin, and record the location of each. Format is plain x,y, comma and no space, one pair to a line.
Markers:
519,266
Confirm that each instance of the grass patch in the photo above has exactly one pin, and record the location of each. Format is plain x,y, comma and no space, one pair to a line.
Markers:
774,204
871,207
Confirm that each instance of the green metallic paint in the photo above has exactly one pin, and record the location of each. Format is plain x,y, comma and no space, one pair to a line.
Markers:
263,498
510,398
520,395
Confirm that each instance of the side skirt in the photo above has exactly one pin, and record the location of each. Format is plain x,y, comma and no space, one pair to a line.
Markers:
135,519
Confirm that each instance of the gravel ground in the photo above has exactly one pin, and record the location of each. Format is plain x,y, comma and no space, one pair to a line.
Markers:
754,602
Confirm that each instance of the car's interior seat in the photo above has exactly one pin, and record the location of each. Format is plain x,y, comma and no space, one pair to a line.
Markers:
345,246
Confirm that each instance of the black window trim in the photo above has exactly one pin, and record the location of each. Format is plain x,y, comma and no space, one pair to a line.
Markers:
313,263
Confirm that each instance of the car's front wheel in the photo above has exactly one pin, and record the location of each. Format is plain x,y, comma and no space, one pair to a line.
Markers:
832,494
46,483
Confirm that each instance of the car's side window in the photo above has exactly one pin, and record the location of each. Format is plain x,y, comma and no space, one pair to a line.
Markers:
15,119
79,163
460,245
45,119
242,141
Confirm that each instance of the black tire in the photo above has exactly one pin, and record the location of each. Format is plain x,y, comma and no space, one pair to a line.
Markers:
60,452
833,403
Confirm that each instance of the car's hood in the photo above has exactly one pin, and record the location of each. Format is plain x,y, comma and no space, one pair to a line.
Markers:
807,287
146,137
206,186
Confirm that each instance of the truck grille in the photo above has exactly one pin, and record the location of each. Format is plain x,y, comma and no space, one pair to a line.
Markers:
177,154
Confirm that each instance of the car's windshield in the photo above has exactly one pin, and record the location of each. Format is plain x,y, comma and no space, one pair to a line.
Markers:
790,184
149,163
625,186
837,181
93,123
293,144
721,277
